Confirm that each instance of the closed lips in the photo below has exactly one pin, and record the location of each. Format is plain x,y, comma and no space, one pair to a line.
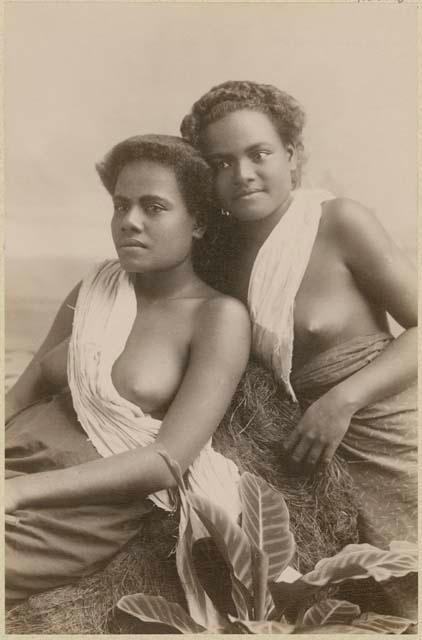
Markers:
133,243
244,194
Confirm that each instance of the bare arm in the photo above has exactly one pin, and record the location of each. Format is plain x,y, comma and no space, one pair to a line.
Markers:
219,353
388,279
31,385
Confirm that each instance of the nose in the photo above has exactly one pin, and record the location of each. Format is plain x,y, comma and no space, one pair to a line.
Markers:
133,220
244,171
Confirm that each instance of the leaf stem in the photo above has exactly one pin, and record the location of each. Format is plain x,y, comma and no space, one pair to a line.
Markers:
260,563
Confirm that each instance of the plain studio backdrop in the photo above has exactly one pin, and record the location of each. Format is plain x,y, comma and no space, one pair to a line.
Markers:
80,77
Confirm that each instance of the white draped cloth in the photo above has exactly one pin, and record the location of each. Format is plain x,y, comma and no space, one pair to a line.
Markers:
104,316
276,276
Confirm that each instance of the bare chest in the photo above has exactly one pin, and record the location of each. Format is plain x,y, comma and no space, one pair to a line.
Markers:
327,301
151,367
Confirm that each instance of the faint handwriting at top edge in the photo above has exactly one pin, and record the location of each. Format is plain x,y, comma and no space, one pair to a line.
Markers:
381,1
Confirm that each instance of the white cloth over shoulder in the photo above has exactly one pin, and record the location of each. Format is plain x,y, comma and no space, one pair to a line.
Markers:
276,277
104,316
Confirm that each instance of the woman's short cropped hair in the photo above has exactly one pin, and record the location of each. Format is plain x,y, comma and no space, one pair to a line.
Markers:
284,111
192,172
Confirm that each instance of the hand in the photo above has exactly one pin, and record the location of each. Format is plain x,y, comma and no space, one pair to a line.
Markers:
319,432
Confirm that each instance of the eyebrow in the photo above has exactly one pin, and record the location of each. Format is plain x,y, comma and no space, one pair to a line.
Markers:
145,199
252,147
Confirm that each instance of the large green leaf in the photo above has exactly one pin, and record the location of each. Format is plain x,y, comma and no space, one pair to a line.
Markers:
228,536
382,624
359,561
355,561
232,543
265,520
200,605
157,609
288,597
331,612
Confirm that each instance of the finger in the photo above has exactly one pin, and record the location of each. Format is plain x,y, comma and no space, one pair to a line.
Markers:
329,453
301,449
314,453
10,519
292,440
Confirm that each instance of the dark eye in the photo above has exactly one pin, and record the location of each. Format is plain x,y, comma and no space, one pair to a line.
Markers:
220,164
120,207
154,209
257,156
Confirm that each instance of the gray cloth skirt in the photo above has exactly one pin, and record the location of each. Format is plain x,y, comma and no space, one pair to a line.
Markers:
50,547
380,445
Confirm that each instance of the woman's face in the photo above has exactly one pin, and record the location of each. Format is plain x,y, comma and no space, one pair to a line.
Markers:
151,226
252,166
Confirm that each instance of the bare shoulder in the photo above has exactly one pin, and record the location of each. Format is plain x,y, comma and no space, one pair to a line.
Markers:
349,224
223,328
223,309
343,213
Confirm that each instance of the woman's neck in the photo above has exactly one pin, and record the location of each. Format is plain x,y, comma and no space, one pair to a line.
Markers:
255,232
177,282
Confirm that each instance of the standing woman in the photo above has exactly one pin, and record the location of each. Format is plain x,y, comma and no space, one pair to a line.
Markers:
143,356
319,275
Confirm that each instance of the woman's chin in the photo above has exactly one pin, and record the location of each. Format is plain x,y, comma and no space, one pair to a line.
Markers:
132,266
250,214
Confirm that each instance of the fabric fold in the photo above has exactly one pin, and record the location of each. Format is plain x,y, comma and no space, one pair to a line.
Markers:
276,277
104,316
380,444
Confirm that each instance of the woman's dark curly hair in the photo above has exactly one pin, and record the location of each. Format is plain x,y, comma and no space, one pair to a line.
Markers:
284,111
194,178
192,173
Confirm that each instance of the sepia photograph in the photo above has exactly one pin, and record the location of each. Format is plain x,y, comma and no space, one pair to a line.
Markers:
210,295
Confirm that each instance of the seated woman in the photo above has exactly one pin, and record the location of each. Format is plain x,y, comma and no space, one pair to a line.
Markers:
319,275
142,356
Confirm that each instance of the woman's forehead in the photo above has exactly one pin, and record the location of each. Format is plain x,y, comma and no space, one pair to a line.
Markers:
148,176
239,130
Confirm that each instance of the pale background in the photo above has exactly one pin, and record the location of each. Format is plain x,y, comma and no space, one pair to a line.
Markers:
81,76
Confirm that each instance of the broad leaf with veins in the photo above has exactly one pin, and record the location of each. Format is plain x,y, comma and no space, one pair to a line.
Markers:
359,561
157,609
331,612
265,520
200,605
382,624
232,543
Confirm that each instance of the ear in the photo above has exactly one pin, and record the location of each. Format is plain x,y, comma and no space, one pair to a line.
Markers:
198,231
292,155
